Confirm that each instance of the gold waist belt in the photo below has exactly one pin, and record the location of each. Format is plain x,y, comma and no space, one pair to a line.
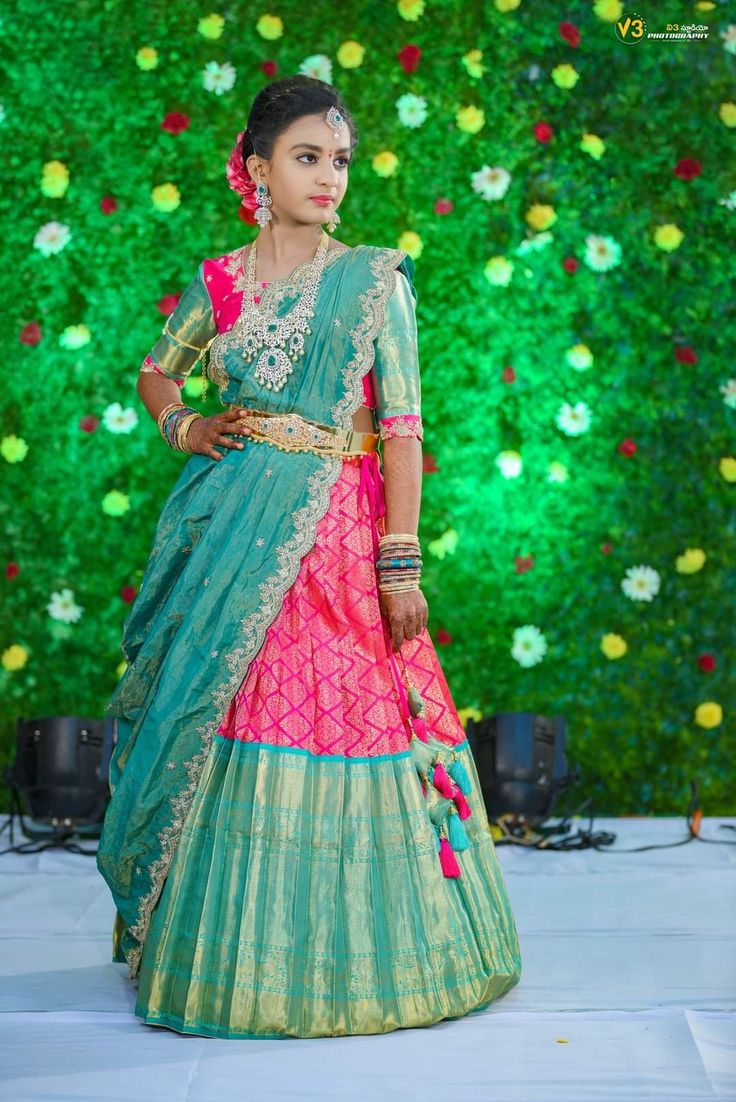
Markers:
293,433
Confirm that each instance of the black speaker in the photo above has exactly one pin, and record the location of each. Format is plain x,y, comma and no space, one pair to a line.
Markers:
521,762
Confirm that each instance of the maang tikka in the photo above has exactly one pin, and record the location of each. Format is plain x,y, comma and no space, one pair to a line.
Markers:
262,215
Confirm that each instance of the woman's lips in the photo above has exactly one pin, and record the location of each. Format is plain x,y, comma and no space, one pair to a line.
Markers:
324,202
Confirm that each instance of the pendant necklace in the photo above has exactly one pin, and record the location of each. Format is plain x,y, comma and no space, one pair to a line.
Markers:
279,340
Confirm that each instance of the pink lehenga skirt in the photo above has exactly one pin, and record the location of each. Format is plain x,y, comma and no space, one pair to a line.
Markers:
335,875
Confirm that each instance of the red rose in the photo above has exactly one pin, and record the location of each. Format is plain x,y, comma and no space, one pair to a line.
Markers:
128,593
707,662
30,334
543,131
269,68
627,447
175,122
12,569
167,304
570,33
89,423
108,205
684,354
606,548
429,463
688,168
570,264
524,565
443,206
443,638
409,58
509,375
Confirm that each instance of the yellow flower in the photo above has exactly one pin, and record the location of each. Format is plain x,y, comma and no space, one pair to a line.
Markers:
613,646
592,144
75,336
727,467
540,217
13,448
727,114
350,54
472,62
608,10
580,357
470,119
704,5
166,197
14,657
565,76
557,472
115,504
211,27
411,243
507,5
146,58
444,544
410,9
120,669
270,27
668,237
469,713
691,562
708,714
55,179
498,271
385,163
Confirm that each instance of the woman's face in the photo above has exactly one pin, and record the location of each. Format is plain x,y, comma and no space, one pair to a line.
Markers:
307,160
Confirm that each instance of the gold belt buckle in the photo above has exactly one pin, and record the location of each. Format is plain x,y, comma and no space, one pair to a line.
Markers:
292,432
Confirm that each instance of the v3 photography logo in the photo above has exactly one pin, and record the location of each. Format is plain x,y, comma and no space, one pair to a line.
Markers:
631,29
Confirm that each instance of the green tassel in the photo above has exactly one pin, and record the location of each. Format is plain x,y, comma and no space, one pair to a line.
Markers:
456,834
437,836
416,704
459,774
423,754
438,807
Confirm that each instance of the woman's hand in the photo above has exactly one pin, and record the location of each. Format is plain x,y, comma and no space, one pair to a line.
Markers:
205,432
407,614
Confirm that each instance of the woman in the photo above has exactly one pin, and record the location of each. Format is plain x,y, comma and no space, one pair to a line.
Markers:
296,841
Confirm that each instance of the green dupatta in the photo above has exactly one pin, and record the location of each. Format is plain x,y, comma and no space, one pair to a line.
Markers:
227,546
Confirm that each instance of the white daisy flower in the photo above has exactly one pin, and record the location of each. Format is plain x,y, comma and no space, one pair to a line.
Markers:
601,253
573,420
534,244
491,183
729,393
318,66
533,72
119,420
729,201
75,336
218,78
3,116
52,238
729,38
510,464
63,607
412,109
529,646
641,583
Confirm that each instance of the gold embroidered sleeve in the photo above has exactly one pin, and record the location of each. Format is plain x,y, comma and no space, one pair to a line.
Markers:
187,333
395,371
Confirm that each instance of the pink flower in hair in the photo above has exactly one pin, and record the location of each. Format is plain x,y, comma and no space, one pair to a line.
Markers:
239,178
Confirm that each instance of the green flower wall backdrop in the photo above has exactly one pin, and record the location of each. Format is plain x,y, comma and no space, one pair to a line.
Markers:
567,188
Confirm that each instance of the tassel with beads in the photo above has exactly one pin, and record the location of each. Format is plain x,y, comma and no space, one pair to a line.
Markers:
456,833
459,774
448,860
441,780
463,807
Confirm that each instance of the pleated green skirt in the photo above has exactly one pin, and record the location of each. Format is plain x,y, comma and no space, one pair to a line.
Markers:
306,899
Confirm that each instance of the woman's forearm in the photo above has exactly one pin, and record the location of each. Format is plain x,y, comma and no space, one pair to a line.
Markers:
156,391
402,474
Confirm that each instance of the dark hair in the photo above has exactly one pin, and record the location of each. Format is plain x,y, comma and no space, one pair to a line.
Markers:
281,103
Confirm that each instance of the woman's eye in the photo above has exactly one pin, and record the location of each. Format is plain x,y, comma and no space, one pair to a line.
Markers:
345,159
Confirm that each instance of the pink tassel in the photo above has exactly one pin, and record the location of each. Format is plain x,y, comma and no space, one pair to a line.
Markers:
420,727
463,807
442,782
448,859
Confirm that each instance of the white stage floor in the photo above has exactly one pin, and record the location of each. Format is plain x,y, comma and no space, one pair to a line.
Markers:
628,992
